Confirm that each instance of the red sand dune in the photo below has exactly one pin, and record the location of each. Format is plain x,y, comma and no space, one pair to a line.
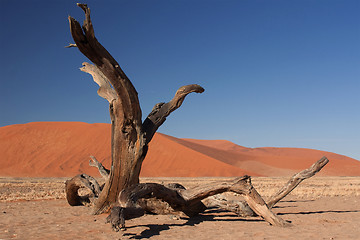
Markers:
58,149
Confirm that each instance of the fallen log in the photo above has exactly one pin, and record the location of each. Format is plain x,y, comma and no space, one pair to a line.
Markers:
188,201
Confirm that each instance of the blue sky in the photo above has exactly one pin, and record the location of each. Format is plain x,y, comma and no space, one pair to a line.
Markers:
276,73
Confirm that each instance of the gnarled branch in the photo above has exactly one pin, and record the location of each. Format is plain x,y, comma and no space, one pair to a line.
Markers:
242,208
185,200
161,110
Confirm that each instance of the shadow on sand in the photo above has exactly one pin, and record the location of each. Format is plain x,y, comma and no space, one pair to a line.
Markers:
319,212
155,229
213,215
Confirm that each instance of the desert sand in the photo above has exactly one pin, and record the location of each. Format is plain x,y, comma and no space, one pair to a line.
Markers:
59,149
320,208
37,158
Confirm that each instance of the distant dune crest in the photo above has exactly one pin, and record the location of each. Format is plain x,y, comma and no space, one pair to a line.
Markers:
60,149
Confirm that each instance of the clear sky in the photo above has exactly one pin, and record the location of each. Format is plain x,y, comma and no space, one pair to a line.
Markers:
276,73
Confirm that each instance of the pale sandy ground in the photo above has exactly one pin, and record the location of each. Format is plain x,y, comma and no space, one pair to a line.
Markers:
320,208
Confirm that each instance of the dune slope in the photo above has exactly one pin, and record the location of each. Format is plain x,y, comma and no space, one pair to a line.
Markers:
59,149
271,161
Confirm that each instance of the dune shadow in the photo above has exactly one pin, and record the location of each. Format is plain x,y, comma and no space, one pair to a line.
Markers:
156,229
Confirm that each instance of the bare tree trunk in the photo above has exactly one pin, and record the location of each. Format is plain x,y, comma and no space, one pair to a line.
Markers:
129,136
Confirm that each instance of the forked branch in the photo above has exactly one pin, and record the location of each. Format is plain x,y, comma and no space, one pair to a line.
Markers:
87,43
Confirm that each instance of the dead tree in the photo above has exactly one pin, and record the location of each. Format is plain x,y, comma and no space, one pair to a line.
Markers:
130,137
122,192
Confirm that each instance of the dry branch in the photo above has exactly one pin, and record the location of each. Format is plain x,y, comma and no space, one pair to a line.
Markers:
187,200
70,45
102,170
243,209
161,110
296,180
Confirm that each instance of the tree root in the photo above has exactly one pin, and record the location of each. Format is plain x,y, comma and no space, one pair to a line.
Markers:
174,198
81,181
189,202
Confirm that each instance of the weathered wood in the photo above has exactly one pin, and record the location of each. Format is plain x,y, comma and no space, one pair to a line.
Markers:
296,179
229,203
128,152
81,181
129,136
129,144
105,90
102,170
87,43
242,208
185,200
256,203
155,205
118,215
161,110
116,218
